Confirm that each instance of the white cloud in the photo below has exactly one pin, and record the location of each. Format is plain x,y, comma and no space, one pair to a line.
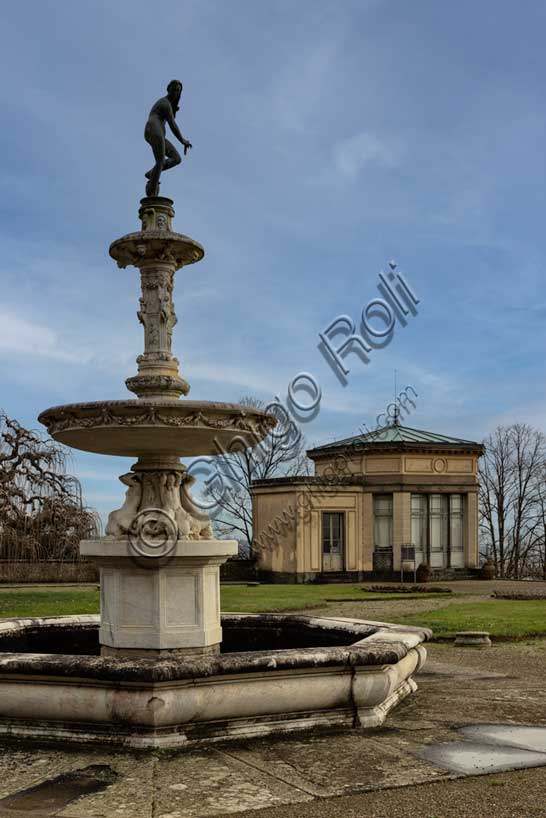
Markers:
18,335
291,102
268,381
298,91
352,155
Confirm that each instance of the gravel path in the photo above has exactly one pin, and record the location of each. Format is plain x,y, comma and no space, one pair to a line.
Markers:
388,610
521,660
480,587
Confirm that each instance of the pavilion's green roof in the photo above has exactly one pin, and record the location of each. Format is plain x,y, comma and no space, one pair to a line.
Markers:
396,434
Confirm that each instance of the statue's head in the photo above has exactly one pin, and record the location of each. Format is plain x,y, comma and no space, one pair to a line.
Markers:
174,91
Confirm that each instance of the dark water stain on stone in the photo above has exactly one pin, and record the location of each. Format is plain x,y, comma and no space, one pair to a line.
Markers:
50,796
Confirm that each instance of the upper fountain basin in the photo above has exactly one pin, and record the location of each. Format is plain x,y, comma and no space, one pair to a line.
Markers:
136,428
156,246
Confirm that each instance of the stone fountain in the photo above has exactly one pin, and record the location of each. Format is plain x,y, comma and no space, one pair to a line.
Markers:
159,561
160,666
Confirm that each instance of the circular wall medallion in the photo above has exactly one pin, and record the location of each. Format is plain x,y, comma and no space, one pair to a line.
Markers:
440,464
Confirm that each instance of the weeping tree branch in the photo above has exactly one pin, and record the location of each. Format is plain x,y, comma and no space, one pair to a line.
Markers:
41,511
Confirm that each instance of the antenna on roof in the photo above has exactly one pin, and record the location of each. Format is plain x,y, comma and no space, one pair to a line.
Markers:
396,410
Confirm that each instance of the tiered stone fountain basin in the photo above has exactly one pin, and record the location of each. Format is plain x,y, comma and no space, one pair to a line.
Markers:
275,674
156,428
160,666
159,562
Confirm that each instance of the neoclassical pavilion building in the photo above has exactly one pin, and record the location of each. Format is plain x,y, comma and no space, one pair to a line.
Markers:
374,500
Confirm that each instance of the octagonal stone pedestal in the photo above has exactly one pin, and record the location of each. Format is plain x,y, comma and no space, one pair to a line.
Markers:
153,607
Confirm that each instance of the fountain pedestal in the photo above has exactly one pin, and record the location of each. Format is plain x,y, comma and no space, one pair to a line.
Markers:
157,606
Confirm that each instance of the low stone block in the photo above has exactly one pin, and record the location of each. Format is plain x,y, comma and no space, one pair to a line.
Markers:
473,639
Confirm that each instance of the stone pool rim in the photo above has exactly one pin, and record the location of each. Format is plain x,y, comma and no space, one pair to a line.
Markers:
376,643
168,703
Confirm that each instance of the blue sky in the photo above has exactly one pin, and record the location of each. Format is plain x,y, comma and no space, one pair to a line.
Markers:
329,137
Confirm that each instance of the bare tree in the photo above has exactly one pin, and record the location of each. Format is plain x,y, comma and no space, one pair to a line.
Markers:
537,550
41,510
282,452
511,472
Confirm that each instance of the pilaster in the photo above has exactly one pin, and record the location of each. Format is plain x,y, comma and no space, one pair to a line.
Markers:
401,525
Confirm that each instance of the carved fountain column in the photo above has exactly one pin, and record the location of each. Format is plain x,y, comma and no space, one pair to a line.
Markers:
159,561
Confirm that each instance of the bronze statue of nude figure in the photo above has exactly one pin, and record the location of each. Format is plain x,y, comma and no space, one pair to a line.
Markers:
165,154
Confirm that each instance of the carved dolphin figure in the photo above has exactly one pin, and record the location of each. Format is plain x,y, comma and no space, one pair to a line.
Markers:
170,502
120,521
201,524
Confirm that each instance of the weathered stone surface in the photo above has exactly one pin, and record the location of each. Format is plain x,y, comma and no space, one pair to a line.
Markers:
158,507
168,600
364,651
131,428
168,702
139,248
356,772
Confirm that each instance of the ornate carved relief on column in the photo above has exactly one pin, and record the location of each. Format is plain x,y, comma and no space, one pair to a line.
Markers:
158,252
157,367
163,486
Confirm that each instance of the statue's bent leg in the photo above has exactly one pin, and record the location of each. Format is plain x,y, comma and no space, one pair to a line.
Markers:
157,141
172,157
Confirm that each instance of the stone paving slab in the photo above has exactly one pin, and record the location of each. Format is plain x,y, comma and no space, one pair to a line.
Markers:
49,797
520,794
131,796
22,769
331,765
216,783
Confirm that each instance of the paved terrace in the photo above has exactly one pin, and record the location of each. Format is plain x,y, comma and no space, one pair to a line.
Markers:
419,764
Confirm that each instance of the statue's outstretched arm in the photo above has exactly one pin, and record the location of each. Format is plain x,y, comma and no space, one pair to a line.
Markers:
176,131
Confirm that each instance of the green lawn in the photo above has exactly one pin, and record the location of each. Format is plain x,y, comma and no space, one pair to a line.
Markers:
48,601
56,601
254,599
504,618
509,619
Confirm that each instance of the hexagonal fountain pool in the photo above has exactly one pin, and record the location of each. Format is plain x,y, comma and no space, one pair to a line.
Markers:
276,673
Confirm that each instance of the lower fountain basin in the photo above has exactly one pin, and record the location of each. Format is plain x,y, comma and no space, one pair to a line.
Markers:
277,673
